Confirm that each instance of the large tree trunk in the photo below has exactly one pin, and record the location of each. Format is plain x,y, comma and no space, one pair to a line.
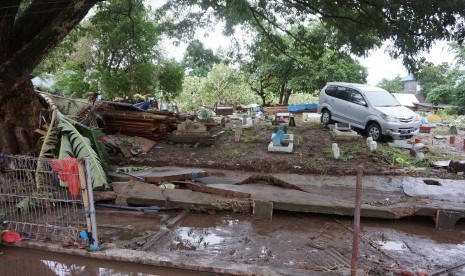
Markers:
19,117
26,38
287,96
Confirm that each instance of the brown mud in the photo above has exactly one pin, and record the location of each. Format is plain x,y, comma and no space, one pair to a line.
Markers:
311,155
310,242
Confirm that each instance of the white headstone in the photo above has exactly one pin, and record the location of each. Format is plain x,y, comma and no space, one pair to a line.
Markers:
373,146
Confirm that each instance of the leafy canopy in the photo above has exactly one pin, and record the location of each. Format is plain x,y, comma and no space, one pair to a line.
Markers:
356,25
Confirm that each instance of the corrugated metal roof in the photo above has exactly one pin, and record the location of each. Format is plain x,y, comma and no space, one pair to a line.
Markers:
406,99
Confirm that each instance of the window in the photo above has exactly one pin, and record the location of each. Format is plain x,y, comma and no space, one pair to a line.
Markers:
342,93
356,97
331,91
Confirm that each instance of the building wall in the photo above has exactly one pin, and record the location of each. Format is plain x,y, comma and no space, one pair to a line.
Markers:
410,87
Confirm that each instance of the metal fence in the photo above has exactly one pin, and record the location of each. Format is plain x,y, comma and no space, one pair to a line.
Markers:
38,205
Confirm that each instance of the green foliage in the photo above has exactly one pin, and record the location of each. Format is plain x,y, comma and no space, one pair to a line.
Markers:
198,60
112,53
80,147
223,85
394,86
74,79
354,26
430,76
234,154
442,93
255,138
297,68
171,79
300,98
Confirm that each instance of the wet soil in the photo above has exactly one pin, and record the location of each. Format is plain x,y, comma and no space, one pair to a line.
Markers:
314,242
311,155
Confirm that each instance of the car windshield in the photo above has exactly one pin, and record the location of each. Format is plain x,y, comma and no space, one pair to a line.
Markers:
381,98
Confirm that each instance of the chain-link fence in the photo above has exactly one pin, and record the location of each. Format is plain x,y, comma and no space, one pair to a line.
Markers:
38,204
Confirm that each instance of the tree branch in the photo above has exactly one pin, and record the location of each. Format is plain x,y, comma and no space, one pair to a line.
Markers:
20,63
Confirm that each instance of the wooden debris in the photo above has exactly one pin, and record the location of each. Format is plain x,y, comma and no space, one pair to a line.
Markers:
104,196
144,194
134,123
146,214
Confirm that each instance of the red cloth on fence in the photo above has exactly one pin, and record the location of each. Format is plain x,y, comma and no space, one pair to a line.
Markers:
11,236
67,170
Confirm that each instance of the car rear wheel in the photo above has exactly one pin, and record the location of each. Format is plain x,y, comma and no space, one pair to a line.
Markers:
325,117
374,131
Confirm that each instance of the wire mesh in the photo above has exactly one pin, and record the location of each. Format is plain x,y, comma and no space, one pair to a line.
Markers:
36,203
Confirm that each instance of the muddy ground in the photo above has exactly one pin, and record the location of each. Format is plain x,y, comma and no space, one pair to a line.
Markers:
300,241
311,155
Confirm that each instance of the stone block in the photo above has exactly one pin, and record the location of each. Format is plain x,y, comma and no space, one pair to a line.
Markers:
262,210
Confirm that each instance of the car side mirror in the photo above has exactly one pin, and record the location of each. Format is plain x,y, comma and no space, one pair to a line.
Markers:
363,103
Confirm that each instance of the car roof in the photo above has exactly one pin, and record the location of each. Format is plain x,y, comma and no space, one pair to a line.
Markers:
358,86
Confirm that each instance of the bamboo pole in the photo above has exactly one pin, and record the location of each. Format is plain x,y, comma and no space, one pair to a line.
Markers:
356,236
85,198
90,192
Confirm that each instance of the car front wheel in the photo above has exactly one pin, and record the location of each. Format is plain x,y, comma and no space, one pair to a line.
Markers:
325,117
374,131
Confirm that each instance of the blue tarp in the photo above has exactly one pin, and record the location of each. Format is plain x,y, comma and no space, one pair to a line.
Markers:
143,105
300,107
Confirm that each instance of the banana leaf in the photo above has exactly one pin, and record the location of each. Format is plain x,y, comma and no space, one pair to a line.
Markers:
80,147
50,140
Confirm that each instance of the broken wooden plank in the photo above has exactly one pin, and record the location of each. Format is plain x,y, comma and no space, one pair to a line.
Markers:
171,223
144,194
104,196
120,213
211,190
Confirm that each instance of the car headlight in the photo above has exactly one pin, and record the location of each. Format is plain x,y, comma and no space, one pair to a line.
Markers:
389,118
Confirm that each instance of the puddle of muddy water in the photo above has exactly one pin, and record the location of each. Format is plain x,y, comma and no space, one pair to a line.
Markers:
18,261
293,240
187,238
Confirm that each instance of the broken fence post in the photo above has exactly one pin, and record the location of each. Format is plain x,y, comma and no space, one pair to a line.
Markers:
355,241
90,192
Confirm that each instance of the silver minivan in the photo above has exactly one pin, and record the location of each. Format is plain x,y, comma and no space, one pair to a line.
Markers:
369,108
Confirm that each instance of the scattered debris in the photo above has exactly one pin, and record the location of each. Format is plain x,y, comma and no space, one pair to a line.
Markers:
144,194
127,145
270,180
144,124
400,144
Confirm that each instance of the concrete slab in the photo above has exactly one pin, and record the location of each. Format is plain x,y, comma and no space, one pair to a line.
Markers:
439,189
288,149
389,197
345,135
166,174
